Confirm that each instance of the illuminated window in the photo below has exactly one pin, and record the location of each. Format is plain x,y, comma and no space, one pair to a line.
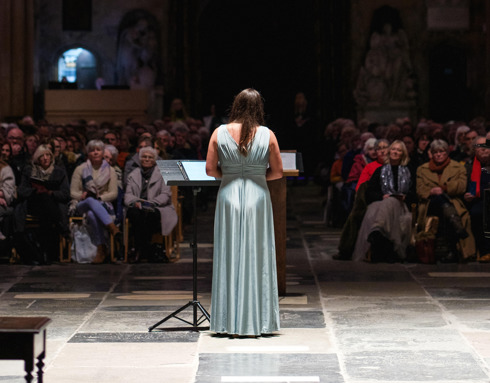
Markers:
67,65
79,66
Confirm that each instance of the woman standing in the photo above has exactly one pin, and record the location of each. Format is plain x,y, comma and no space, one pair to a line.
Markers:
244,294
93,188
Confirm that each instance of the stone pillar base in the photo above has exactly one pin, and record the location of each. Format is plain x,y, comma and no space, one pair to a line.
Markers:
388,112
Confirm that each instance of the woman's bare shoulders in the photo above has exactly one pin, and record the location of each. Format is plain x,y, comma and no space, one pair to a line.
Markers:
235,130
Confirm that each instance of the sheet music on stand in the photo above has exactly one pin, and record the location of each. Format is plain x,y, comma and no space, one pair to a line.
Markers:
292,162
186,173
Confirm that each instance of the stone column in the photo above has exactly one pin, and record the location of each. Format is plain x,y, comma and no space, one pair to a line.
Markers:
487,60
17,47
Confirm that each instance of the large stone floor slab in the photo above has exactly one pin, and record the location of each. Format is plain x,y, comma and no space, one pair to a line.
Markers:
341,322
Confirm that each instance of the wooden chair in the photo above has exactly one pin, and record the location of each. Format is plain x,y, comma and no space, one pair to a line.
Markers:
33,223
79,220
172,240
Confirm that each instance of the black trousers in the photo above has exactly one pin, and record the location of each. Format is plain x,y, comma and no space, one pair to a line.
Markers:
143,224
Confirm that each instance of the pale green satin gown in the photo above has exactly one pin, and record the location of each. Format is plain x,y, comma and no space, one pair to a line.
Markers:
244,297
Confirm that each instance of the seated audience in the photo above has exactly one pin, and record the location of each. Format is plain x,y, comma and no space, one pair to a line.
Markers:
149,203
133,160
93,188
182,148
441,183
335,215
459,152
7,195
357,148
110,155
162,143
351,227
367,156
19,156
478,171
55,147
6,152
31,143
44,192
421,153
386,226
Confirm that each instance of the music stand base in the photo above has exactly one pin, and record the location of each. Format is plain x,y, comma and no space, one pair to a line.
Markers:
194,325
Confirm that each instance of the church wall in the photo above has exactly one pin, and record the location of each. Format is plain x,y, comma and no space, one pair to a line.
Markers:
51,40
179,37
423,39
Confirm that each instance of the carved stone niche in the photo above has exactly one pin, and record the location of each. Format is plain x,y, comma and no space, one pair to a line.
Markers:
385,87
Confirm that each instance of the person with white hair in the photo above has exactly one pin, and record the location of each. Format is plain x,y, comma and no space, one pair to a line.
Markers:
367,156
149,203
110,155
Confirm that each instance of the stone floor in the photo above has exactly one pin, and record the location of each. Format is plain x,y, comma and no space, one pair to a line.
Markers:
341,321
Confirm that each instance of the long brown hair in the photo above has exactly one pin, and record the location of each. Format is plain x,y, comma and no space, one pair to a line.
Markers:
247,109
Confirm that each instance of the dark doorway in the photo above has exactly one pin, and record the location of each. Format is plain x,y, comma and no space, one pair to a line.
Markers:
448,91
268,45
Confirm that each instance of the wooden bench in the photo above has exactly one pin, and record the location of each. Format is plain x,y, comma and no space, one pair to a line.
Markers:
24,338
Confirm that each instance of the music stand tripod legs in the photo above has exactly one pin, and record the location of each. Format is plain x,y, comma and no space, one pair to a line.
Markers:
195,304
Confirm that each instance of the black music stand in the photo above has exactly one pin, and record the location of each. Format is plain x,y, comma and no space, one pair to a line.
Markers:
191,174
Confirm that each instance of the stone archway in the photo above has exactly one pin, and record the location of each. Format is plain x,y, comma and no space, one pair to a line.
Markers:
78,65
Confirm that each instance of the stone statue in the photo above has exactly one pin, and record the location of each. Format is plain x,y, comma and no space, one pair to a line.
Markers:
387,73
138,60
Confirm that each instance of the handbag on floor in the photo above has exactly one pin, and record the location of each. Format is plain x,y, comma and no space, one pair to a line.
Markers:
82,248
425,241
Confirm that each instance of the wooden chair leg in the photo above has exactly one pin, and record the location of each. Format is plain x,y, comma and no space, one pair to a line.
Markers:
126,239
172,248
113,259
63,244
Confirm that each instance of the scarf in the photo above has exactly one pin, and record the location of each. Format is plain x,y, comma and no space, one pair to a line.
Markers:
42,174
146,175
388,183
438,168
476,176
94,186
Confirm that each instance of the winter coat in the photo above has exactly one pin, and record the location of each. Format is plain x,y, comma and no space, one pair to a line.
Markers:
158,194
453,181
